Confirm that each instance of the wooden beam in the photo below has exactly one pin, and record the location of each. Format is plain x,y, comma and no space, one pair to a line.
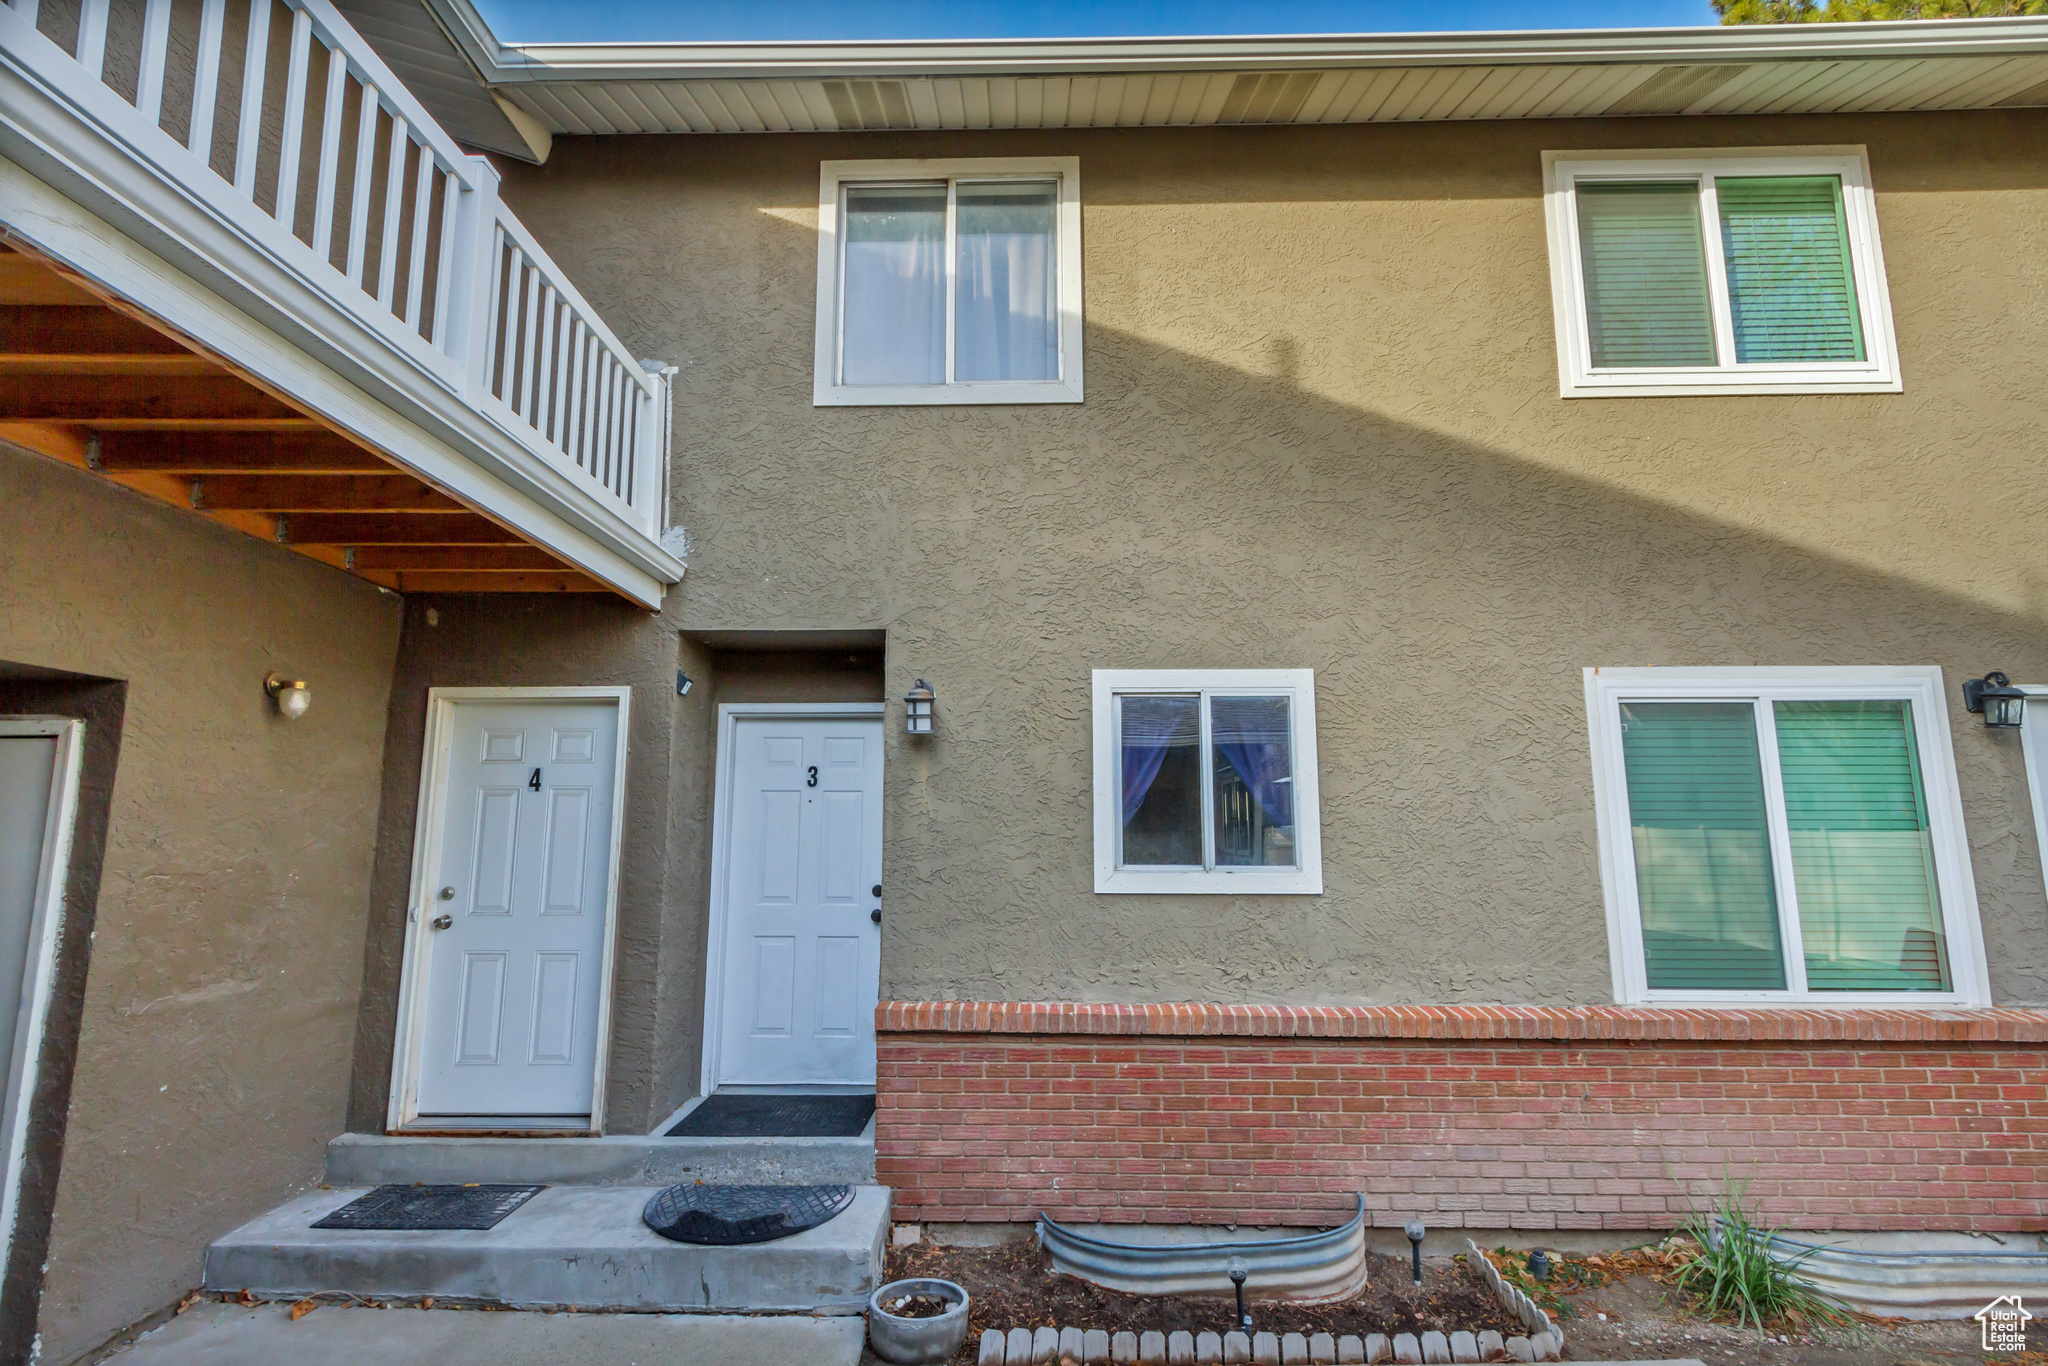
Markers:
319,493
395,528
238,452
27,280
498,583
96,399
49,331
471,558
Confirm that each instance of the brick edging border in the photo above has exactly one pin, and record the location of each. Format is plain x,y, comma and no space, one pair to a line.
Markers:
1532,1023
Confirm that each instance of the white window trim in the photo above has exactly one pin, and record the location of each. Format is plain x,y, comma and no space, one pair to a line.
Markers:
834,176
1606,689
2034,757
1577,378
1300,686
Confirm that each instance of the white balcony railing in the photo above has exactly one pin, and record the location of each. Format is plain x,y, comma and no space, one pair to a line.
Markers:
279,107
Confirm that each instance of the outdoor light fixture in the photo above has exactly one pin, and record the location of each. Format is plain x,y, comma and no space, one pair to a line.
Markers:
1238,1273
1994,695
1415,1230
291,695
917,716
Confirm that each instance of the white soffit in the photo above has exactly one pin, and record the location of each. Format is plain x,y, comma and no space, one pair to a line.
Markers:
1173,82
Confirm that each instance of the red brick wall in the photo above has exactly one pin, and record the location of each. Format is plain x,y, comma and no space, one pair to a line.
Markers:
1600,1118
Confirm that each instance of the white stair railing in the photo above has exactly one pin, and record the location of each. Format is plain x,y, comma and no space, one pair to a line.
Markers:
341,172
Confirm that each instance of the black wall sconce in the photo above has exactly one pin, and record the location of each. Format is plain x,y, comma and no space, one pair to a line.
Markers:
917,714
1996,699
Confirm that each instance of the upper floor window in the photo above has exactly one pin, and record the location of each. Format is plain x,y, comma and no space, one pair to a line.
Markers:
1783,835
1205,781
949,281
1748,271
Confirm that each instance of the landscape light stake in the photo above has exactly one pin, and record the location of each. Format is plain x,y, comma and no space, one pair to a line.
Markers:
1414,1230
1238,1272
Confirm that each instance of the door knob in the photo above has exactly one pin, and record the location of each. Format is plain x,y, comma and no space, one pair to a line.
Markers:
447,894
876,915
442,921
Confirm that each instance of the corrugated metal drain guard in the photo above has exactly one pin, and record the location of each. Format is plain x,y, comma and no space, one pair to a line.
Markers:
431,1207
756,1116
1159,1259
722,1216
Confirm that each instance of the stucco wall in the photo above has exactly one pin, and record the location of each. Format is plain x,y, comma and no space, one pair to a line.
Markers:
1322,429
221,993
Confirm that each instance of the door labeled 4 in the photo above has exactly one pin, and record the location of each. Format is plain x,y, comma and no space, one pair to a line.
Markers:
803,868
516,910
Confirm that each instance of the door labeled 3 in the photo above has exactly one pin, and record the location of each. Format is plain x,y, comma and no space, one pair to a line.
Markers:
802,942
516,910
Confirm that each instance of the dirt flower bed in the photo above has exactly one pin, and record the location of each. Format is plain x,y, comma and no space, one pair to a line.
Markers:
1014,1286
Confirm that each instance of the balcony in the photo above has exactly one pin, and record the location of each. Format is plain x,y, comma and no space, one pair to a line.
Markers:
251,274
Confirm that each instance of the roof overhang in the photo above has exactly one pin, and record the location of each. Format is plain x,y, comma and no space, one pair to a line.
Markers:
1123,82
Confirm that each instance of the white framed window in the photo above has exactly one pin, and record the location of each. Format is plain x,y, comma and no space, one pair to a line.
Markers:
1205,781
1718,271
949,281
1776,836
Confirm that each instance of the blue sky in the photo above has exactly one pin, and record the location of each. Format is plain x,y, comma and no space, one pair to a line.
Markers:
729,20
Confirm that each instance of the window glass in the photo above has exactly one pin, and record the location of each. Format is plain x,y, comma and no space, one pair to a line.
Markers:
1006,293
893,300
1161,781
1702,846
1791,294
1254,782
1862,853
1646,274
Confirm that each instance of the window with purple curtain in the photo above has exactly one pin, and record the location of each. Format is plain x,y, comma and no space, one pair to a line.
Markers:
1253,782
1161,761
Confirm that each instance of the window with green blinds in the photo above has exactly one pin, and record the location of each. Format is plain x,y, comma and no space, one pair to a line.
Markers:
1791,289
1645,273
1702,846
1862,853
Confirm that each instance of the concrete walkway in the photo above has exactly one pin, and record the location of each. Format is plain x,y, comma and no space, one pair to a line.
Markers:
332,1335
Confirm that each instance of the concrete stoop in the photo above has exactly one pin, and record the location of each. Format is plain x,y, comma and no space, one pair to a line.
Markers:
569,1247
614,1160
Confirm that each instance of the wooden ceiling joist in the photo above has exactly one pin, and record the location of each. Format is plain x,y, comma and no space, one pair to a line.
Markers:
86,381
242,452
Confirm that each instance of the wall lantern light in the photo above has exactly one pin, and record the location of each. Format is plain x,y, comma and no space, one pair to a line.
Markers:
917,715
1993,695
291,695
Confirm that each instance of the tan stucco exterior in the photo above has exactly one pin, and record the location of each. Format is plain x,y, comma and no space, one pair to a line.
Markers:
221,993
1322,429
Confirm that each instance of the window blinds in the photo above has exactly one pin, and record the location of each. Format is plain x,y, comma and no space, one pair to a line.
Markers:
1646,274
1862,855
1702,846
1791,293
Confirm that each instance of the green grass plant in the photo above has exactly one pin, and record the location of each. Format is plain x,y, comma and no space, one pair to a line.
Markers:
1735,1276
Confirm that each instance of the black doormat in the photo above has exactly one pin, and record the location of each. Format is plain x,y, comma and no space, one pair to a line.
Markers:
747,1116
723,1216
431,1207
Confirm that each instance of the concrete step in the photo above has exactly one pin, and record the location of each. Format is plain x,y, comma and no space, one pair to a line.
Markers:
622,1160
568,1247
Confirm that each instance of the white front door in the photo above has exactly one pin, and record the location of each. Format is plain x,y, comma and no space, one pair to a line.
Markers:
516,905
803,867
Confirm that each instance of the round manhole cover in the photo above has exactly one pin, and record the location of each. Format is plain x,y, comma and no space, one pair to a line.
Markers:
722,1216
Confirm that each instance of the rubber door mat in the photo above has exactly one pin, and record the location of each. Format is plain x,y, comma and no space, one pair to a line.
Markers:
751,1116
431,1207
722,1216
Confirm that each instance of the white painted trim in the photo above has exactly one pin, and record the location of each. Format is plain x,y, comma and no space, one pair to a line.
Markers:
834,176
2034,755
1955,883
436,754
501,62
46,923
1577,377
1300,685
729,715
